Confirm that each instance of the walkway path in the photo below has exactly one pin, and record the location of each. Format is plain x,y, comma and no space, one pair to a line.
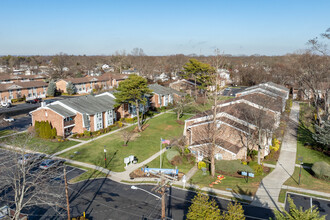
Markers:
269,189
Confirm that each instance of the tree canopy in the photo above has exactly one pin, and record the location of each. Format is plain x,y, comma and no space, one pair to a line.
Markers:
203,208
51,88
70,88
298,214
322,135
133,90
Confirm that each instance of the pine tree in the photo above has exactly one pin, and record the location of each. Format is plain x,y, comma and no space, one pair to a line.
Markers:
48,130
133,90
298,214
202,208
322,135
51,88
70,88
235,212
54,133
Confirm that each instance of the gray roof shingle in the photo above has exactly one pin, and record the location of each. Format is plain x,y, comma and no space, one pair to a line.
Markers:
61,110
162,90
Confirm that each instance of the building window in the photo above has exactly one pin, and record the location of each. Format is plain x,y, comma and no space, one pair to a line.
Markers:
218,156
159,100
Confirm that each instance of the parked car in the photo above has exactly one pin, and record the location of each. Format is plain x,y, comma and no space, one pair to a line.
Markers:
5,104
34,101
9,119
50,163
30,158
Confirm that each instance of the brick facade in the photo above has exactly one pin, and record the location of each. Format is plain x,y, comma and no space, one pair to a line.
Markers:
54,118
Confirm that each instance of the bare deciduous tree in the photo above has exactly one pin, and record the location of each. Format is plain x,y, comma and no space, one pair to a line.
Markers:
23,185
126,136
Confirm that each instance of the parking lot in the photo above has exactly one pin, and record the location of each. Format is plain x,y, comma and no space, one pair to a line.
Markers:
307,202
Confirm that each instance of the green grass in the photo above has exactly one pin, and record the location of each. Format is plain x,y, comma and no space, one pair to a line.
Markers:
308,181
282,195
305,131
234,184
143,146
24,140
184,167
88,175
6,132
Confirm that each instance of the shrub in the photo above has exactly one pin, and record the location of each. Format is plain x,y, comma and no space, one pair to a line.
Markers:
119,124
258,169
177,160
122,119
129,120
201,165
14,100
232,166
87,133
186,150
275,145
321,170
171,153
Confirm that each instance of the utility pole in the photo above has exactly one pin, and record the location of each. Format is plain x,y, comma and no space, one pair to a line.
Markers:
163,196
66,193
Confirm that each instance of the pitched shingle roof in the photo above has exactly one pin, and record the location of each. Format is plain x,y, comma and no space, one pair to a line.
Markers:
162,90
22,85
61,110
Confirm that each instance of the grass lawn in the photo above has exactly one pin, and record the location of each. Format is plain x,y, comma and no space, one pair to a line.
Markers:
6,132
88,175
38,144
142,146
234,184
308,181
305,131
281,198
184,167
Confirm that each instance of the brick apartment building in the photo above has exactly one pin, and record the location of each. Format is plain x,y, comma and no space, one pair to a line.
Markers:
29,89
86,84
238,120
76,115
163,96
21,78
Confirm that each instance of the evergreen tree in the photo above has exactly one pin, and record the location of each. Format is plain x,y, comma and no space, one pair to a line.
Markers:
235,212
51,88
133,90
70,88
202,208
298,214
37,128
48,130
54,133
199,71
322,135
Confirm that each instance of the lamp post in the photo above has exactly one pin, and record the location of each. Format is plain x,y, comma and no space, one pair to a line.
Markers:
105,157
134,187
301,163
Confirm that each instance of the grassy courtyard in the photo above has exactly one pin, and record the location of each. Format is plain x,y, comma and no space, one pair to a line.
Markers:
24,140
234,184
143,145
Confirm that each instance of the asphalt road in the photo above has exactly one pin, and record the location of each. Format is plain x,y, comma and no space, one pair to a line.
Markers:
20,124
106,199
305,202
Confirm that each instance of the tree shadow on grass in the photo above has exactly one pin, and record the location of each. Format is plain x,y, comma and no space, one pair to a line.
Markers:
305,135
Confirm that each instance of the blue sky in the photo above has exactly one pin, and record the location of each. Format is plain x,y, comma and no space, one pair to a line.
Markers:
160,27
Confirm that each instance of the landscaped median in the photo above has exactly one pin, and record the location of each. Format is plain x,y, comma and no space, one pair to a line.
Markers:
142,145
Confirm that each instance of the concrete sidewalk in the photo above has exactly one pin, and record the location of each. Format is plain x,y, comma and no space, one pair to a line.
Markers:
270,187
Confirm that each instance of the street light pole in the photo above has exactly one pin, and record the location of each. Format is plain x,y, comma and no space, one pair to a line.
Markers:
105,157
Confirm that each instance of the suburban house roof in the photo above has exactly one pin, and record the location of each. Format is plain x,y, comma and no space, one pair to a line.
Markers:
261,99
89,104
162,90
22,85
21,77
61,110
103,77
268,87
220,143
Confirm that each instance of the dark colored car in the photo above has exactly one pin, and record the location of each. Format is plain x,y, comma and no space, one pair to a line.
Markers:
34,101
50,163
30,158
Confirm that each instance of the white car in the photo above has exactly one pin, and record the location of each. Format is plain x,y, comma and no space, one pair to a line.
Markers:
9,119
